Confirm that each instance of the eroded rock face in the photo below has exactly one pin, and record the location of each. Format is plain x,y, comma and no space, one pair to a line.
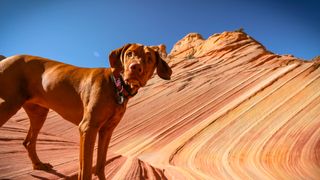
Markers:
316,59
162,49
232,110
186,47
194,46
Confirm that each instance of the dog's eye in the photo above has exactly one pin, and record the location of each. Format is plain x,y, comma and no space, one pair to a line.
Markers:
129,54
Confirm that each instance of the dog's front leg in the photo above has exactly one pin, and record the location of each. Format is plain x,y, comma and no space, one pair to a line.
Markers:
103,143
87,139
105,134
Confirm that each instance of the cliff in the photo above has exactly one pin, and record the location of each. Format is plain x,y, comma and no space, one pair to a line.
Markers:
233,110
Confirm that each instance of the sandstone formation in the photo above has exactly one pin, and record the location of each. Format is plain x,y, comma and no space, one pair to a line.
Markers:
162,49
233,110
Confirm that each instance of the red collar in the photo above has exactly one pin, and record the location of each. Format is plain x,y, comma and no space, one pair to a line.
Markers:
122,90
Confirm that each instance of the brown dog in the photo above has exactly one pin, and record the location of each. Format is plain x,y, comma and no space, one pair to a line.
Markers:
95,99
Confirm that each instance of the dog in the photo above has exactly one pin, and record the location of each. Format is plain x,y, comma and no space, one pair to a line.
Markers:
94,99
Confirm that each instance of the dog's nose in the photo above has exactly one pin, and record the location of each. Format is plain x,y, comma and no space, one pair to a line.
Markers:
136,68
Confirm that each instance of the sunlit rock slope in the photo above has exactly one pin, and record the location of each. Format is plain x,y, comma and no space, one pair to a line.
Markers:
233,110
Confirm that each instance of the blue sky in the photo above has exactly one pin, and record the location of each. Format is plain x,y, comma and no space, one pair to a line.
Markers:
84,32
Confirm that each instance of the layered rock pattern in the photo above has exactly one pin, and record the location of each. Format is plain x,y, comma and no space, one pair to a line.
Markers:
232,110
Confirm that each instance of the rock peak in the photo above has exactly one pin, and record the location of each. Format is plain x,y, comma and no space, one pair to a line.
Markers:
194,45
316,59
162,50
185,47
192,37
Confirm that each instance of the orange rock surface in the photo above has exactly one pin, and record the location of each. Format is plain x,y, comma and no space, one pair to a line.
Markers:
233,110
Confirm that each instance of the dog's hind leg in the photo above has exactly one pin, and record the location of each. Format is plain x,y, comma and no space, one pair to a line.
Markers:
37,116
8,109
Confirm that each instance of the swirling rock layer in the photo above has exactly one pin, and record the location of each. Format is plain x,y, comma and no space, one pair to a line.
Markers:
232,110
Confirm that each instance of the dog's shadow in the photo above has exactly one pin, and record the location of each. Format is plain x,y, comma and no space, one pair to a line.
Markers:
73,176
57,174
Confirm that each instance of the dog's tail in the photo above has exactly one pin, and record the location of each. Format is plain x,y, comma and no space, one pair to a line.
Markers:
2,57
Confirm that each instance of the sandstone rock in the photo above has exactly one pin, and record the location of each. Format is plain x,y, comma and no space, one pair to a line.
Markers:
162,49
316,59
193,45
232,111
185,48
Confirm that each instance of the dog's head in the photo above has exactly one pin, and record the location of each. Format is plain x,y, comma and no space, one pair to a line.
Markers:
137,63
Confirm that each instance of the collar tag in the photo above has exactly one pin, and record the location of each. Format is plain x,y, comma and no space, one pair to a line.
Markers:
120,98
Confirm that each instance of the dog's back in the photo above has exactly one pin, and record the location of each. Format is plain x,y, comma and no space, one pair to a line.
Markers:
48,83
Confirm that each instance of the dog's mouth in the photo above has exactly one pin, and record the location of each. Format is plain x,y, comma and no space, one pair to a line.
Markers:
133,84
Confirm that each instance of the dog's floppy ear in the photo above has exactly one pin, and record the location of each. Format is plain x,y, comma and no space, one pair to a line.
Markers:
2,57
116,57
163,69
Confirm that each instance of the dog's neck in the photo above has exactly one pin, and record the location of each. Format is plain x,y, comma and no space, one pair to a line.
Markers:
123,91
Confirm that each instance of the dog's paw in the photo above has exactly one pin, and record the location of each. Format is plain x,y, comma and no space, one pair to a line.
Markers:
100,175
42,166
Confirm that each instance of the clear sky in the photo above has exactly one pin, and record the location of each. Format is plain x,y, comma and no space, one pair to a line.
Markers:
84,32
